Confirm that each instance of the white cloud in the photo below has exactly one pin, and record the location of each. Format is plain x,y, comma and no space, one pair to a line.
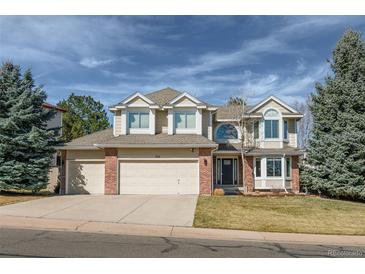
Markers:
93,63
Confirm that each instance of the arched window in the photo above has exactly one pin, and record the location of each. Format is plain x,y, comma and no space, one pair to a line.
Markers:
271,124
226,132
272,113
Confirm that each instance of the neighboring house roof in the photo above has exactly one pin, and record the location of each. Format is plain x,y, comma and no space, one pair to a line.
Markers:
105,138
229,112
50,106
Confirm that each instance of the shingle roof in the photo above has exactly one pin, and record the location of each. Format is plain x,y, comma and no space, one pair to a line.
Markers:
236,147
163,96
229,112
106,138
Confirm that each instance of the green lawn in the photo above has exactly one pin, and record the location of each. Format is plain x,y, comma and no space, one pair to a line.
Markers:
281,214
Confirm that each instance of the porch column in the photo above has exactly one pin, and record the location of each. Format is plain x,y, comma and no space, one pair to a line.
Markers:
249,173
295,174
205,171
111,167
62,173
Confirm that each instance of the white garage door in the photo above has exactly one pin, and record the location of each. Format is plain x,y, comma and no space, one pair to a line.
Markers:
85,177
159,177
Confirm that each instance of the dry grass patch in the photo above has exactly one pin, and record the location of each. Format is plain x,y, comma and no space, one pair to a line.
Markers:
281,214
13,197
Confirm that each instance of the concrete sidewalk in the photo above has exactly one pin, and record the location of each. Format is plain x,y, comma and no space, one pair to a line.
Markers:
175,231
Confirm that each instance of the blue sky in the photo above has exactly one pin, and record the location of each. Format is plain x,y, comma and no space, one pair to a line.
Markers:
212,57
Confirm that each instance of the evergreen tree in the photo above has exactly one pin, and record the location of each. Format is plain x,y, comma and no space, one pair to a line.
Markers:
84,116
25,144
336,153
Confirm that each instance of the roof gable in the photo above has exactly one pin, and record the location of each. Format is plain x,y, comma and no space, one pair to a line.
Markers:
135,97
275,102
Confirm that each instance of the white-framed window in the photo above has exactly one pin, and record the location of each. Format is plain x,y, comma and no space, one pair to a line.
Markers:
286,129
288,167
271,124
138,120
256,129
273,167
185,119
258,171
226,132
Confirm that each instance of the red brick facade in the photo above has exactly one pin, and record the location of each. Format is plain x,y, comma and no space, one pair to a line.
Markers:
295,174
111,174
62,174
249,173
205,171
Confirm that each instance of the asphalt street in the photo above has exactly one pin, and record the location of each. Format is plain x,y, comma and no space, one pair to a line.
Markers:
41,243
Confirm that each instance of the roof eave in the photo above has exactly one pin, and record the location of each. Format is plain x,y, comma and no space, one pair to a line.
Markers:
155,145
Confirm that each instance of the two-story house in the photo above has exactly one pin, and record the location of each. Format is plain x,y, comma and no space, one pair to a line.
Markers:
170,142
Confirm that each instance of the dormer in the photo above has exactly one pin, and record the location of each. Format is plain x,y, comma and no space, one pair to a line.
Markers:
134,115
185,114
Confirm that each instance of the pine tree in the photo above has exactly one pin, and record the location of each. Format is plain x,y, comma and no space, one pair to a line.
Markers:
84,116
336,153
26,147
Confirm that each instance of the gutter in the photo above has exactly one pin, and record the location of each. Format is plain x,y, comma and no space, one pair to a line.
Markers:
156,145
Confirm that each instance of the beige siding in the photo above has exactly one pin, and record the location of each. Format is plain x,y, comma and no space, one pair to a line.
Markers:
85,154
138,102
157,153
292,134
161,121
117,123
269,183
185,102
206,126
271,144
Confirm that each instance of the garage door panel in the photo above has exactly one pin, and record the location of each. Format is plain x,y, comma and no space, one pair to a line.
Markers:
159,177
85,177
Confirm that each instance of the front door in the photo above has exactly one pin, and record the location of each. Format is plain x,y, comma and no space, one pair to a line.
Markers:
227,171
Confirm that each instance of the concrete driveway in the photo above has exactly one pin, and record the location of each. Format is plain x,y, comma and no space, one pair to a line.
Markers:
171,210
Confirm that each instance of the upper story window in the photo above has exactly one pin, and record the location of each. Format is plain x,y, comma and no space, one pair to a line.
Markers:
185,119
285,129
256,130
138,120
225,132
272,124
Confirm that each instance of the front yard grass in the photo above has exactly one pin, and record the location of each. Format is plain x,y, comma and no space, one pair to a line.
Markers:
296,214
12,197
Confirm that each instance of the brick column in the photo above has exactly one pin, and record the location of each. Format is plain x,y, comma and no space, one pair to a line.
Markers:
62,173
111,167
295,174
249,173
205,171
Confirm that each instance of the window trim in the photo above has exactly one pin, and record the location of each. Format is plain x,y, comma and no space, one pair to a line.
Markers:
261,166
286,131
256,130
280,126
286,167
139,120
225,140
185,112
281,171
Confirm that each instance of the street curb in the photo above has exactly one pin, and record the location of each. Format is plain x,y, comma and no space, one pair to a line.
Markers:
174,231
